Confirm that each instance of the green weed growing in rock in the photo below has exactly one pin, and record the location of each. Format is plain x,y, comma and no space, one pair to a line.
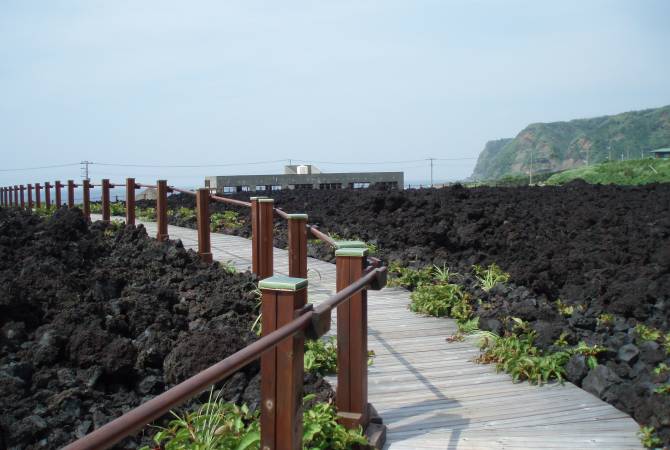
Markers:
564,309
225,220
649,438
148,214
605,320
663,389
117,209
409,278
590,352
645,333
490,276
661,369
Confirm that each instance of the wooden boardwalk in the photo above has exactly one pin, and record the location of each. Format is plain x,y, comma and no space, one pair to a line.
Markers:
430,393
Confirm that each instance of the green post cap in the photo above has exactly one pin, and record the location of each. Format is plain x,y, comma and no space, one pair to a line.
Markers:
297,216
257,198
360,252
350,244
266,200
283,283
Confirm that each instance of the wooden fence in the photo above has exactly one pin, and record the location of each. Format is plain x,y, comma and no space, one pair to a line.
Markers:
288,318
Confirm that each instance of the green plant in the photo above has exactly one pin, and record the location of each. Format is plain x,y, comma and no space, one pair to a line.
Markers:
184,213
442,274
518,356
95,208
321,356
590,352
409,278
117,209
113,227
490,276
372,248
564,309
468,326
439,299
213,426
321,431
605,320
649,438
645,333
228,267
44,212
562,341
225,220
666,343
148,214
661,369
663,389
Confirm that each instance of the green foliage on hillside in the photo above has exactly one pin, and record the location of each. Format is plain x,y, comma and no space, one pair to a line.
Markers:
640,171
565,145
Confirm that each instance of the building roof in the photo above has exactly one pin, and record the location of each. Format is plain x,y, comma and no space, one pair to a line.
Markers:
661,150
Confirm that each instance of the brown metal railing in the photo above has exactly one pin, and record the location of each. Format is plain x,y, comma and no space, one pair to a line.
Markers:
287,318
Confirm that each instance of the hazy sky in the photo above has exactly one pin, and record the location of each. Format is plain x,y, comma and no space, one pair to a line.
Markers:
222,82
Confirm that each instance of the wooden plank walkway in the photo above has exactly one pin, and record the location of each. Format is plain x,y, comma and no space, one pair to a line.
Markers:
430,393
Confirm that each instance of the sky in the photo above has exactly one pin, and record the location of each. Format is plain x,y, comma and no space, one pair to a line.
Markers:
369,85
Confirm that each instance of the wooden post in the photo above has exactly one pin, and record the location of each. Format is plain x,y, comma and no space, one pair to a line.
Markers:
2,196
204,243
38,198
297,245
282,367
352,340
30,196
21,198
70,193
86,200
262,215
9,196
57,189
106,214
16,196
161,210
47,195
130,201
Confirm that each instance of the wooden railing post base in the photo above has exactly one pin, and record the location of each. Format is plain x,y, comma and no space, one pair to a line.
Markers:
282,367
162,210
130,201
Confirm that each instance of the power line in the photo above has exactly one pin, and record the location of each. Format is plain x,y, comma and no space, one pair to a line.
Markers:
37,168
186,166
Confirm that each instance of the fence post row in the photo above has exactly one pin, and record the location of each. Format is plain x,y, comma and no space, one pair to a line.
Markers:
86,200
70,193
262,216
297,245
16,196
161,210
204,241
282,367
38,196
30,196
130,201
57,188
352,338
21,198
106,213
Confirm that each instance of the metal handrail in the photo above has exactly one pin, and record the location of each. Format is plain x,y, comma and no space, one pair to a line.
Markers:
135,419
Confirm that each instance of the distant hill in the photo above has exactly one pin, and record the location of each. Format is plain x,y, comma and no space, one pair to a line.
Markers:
640,171
559,146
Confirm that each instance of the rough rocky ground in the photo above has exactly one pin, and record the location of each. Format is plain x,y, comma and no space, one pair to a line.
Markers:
95,320
600,249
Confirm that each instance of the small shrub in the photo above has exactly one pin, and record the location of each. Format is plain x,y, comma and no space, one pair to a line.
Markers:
518,356
322,431
117,209
468,326
96,208
649,438
490,276
44,212
225,220
442,274
605,320
562,341
439,299
590,352
663,389
645,333
321,356
409,278
148,214
661,369
564,309
184,213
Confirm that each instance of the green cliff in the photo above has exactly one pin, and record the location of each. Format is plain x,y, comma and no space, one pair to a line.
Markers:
566,145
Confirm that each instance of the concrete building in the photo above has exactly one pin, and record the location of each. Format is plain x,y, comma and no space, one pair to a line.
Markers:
304,177
661,153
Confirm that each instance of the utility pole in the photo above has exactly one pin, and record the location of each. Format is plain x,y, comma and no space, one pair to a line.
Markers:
431,171
84,169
